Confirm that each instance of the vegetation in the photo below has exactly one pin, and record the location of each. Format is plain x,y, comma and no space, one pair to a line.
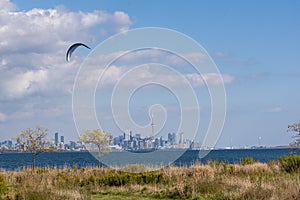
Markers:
97,140
33,141
246,161
290,163
3,186
296,129
254,180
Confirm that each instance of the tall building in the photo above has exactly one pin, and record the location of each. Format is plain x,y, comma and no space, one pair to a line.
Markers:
169,138
130,136
152,127
72,145
161,141
172,138
62,139
180,138
138,136
127,135
56,139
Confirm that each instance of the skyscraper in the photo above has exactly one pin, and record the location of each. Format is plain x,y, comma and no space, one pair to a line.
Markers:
56,139
180,138
127,135
62,139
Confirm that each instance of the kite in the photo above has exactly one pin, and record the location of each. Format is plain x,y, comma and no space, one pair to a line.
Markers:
73,48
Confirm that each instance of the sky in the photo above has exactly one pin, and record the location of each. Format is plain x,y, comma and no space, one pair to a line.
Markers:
254,44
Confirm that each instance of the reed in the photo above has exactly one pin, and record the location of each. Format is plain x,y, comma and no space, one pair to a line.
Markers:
250,180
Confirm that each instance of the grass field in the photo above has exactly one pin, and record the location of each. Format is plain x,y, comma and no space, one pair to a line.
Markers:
123,197
217,180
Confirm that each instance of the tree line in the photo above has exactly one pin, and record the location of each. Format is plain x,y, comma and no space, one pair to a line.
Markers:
35,142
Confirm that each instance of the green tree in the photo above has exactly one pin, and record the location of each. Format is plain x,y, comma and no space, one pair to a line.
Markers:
33,141
296,129
98,141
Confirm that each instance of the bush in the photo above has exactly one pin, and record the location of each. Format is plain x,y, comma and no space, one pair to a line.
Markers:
2,184
290,163
135,168
75,166
42,170
124,178
246,161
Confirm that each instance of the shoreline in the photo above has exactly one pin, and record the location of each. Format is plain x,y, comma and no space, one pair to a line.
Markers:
150,150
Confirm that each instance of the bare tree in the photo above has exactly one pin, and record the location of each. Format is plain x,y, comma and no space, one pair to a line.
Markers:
295,128
33,141
97,140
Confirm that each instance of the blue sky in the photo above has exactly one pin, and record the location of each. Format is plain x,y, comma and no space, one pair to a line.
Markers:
255,43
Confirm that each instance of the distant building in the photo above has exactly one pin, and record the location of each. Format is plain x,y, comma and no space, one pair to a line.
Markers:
172,138
138,136
156,143
161,141
56,139
127,135
7,143
118,140
62,139
72,145
130,136
180,138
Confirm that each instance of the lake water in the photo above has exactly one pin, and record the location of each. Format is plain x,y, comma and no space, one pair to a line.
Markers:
18,161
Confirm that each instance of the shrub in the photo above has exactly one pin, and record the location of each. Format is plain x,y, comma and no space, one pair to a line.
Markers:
246,161
42,170
135,168
290,163
124,178
229,169
2,184
75,166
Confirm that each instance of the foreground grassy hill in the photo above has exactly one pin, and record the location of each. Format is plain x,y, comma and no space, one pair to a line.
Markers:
247,180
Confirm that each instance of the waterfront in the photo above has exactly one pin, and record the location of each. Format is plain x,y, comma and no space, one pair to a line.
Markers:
19,161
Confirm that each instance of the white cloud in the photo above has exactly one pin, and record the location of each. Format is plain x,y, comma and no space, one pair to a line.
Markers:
33,45
2,117
119,19
163,57
6,5
45,30
211,78
274,109
140,76
27,83
21,115
130,60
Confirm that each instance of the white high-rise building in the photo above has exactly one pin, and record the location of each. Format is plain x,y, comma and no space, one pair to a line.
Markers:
180,138
127,135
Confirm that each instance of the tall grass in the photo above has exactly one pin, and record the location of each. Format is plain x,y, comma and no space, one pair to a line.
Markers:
290,163
215,181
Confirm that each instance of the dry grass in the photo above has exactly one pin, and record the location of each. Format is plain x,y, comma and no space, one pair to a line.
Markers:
250,181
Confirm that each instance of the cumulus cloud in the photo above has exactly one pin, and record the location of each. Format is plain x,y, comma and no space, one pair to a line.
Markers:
6,6
33,45
26,83
145,74
45,30
130,60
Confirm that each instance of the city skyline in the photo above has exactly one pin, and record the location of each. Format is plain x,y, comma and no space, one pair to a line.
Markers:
129,141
